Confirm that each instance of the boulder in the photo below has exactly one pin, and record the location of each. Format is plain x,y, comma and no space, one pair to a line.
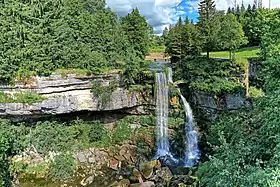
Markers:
181,179
147,169
144,184
113,164
124,183
87,181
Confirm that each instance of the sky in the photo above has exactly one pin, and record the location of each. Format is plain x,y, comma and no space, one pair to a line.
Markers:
162,13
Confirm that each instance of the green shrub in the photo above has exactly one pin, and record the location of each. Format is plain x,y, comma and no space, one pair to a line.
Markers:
123,131
21,97
213,76
103,92
62,168
255,93
216,85
96,132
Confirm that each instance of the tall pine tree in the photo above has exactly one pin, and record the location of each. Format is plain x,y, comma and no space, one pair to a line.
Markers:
209,25
137,31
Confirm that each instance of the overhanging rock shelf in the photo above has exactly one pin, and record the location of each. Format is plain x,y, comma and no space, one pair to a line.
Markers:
71,93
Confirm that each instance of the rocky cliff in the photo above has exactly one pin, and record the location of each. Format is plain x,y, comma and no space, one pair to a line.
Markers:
71,93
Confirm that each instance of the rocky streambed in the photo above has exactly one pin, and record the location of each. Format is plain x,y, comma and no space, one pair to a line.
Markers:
118,167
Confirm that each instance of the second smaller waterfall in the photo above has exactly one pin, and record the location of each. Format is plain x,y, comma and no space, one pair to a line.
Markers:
192,152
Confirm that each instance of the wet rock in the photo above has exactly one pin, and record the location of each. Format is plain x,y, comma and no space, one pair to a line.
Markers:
137,175
181,179
162,176
114,184
120,158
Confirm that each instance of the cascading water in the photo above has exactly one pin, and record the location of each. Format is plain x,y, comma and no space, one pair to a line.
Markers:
191,155
192,152
162,115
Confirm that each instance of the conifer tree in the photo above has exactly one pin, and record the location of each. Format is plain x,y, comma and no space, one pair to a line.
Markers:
243,9
208,25
249,9
254,8
238,12
229,10
137,31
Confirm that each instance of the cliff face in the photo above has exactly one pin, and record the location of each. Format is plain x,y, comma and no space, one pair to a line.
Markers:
70,93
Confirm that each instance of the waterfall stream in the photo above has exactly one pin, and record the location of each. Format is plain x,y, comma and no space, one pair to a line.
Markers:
162,115
191,144
191,154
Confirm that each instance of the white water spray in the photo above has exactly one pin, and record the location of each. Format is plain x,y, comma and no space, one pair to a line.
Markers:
191,155
191,151
162,115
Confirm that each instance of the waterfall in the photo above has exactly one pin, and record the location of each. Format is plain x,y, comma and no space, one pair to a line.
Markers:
192,152
162,115
170,75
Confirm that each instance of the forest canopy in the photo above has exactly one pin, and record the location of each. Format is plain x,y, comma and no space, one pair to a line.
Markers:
38,37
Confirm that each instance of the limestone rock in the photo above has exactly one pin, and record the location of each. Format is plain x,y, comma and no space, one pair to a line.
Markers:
70,93
113,164
144,184
87,181
137,175
124,183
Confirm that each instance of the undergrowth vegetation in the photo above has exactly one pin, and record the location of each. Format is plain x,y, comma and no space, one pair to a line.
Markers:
20,97
65,138
245,144
210,75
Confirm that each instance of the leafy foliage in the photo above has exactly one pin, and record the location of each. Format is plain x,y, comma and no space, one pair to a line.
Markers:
231,34
245,144
38,37
21,97
212,76
63,167
270,39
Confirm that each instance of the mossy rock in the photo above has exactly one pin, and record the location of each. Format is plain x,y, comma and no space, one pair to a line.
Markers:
147,169
124,183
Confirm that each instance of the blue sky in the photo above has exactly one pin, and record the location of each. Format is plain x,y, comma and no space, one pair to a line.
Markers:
162,13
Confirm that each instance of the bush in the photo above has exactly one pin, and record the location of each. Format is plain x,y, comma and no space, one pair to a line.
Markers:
96,132
21,97
103,92
212,76
62,168
255,93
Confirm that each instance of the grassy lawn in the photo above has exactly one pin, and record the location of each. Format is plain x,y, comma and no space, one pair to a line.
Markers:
157,49
248,52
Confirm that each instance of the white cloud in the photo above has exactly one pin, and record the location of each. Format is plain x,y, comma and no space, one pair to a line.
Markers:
161,13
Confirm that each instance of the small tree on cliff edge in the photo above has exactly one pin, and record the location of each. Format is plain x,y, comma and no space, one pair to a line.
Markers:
209,24
231,34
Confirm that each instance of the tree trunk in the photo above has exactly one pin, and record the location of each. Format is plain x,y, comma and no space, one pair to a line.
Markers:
208,54
230,55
